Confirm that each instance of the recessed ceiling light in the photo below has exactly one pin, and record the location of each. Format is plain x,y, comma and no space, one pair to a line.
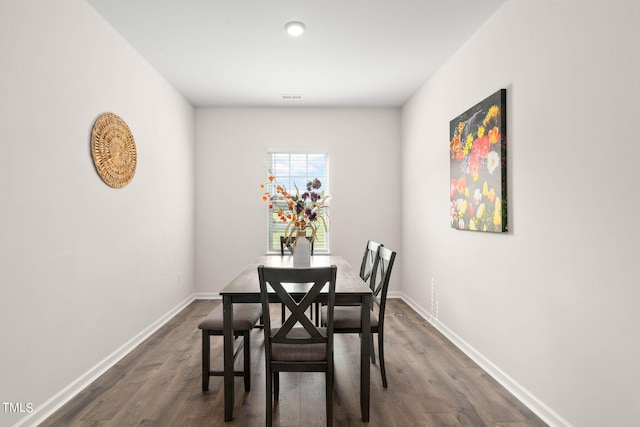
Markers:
295,28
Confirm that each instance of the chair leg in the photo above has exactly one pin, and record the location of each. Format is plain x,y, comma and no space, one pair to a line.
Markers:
247,360
329,395
276,385
206,360
373,353
383,372
268,394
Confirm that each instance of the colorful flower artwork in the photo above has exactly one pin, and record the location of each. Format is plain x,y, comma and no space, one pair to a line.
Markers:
478,162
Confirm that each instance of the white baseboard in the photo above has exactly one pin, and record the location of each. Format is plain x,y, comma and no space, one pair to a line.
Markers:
395,294
521,393
47,409
207,295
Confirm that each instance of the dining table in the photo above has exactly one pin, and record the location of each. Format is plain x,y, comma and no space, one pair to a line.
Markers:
245,288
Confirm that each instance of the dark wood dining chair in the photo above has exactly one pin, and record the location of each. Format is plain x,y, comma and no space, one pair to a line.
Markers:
245,316
298,345
368,259
346,319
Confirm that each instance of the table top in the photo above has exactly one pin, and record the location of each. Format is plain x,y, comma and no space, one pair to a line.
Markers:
348,282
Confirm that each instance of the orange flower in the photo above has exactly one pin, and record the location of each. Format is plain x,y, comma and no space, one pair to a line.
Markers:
261,185
271,178
455,145
494,135
264,198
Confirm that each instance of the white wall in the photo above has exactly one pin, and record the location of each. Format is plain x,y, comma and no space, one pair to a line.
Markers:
85,267
552,305
231,163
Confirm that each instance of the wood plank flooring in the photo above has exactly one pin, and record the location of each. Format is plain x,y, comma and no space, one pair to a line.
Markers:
431,383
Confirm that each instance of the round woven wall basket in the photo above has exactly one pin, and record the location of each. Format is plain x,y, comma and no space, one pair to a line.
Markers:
113,150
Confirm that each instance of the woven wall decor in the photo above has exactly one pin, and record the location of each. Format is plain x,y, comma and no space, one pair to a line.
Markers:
113,150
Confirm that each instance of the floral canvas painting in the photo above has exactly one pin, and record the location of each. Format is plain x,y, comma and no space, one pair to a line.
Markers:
478,165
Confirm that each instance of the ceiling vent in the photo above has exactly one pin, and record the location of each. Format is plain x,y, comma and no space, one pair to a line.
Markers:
291,97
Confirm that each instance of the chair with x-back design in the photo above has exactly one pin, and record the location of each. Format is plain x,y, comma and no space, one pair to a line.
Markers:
346,319
298,345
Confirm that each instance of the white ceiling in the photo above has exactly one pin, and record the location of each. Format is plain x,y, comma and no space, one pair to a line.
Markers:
355,53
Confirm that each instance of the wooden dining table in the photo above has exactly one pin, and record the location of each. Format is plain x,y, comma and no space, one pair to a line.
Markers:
245,288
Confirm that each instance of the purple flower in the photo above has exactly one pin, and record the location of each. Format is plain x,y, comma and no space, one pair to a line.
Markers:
305,196
313,216
315,197
315,184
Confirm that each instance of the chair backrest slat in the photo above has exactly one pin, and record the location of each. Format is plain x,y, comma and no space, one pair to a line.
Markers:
297,311
368,259
380,278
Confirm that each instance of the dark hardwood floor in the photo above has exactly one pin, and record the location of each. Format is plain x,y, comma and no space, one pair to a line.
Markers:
431,383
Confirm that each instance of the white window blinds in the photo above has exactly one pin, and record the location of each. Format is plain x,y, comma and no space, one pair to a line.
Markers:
291,170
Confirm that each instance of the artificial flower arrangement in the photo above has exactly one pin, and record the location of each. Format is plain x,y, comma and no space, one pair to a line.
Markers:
300,212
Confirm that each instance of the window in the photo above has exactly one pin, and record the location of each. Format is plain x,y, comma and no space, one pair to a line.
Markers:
291,170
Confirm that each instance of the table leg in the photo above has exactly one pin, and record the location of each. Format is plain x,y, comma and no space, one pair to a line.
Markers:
365,354
227,318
